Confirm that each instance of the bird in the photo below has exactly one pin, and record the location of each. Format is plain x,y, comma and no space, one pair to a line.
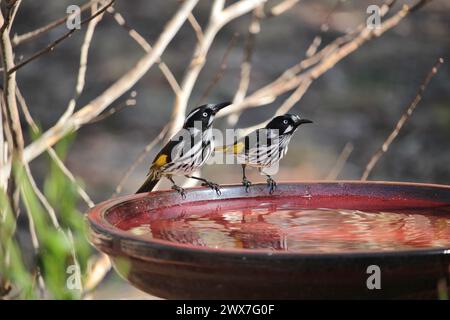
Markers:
265,147
186,151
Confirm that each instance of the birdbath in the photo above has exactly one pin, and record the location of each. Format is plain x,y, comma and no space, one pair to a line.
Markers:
306,240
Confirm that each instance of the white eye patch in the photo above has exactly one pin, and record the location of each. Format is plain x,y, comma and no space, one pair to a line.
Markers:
288,129
211,119
191,114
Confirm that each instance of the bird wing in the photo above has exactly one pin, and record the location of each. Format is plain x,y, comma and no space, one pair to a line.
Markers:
168,154
184,150
243,145
235,148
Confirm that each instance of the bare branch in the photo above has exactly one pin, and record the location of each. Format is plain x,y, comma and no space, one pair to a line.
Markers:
318,64
130,102
246,65
218,18
340,162
223,66
26,111
147,47
53,45
83,63
405,116
281,8
196,26
71,177
11,113
285,106
52,153
98,267
237,9
20,39
51,212
123,84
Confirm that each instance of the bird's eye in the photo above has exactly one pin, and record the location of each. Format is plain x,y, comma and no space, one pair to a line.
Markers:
285,122
205,114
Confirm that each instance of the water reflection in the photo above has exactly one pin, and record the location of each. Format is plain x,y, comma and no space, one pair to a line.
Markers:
287,227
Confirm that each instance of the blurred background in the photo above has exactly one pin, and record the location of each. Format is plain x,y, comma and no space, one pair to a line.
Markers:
358,101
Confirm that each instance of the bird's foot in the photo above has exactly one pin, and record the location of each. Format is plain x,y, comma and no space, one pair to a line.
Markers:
272,185
246,183
213,186
180,190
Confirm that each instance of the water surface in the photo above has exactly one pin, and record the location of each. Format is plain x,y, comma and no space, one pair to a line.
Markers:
286,226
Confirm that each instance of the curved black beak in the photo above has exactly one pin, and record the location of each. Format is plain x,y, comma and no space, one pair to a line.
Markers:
302,121
216,108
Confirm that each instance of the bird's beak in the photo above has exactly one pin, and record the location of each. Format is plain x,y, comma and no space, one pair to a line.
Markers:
220,106
302,121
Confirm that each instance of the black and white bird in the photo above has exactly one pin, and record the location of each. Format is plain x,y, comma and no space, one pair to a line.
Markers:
265,147
187,151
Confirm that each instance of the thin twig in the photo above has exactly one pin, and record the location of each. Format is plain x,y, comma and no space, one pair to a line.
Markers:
51,212
3,151
405,116
285,106
317,41
196,26
218,18
98,267
280,8
310,59
55,43
148,148
220,72
140,40
52,153
290,80
130,102
340,161
11,112
32,229
26,111
20,39
246,65
123,84
84,52
71,177
69,238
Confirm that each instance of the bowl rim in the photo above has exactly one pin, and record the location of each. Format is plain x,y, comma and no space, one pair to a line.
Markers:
100,227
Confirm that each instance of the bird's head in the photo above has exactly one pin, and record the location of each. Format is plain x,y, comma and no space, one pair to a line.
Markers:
204,115
286,124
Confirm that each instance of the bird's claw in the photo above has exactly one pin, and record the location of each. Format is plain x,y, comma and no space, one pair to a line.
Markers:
246,183
213,186
272,185
180,190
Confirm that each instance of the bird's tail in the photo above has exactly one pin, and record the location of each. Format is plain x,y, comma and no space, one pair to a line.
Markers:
149,183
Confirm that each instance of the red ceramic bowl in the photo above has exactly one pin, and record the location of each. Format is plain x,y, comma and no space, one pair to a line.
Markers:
175,270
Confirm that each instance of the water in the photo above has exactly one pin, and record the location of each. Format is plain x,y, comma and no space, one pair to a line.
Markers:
288,227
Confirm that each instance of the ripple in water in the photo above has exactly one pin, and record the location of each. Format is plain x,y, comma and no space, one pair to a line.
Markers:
286,227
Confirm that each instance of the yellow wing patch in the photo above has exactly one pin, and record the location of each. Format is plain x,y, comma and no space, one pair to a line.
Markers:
160,161
235,148
238,147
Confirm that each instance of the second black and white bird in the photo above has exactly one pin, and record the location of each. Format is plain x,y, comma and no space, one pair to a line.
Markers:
265,147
